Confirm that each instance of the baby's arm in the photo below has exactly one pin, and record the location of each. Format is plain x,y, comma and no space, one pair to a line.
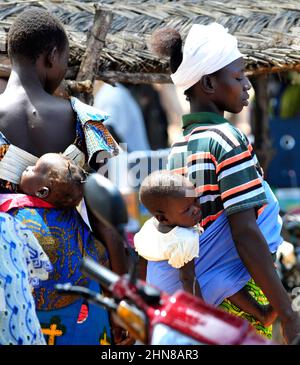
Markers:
189,280
263,313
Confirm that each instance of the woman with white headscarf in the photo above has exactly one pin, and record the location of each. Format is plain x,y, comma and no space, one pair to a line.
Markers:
223,167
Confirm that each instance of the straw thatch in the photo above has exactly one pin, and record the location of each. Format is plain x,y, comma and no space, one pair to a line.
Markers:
268,31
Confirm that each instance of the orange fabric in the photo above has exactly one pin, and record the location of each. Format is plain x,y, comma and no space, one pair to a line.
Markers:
241,188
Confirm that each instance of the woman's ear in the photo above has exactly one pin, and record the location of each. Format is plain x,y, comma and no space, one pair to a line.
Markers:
50,57
208,84
43,192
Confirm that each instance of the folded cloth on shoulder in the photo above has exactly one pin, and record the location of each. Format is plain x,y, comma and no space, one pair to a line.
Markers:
178,247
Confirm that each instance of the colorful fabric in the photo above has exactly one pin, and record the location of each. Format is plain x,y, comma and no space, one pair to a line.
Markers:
63,327
10,201
66,239
23,264
99,142
259,296
218,159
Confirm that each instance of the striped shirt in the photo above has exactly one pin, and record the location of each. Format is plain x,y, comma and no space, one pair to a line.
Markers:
219,160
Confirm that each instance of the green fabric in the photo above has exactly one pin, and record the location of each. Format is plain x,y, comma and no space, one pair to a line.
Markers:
259,296
202,118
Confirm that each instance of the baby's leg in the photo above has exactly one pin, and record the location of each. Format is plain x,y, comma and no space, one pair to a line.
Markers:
263,313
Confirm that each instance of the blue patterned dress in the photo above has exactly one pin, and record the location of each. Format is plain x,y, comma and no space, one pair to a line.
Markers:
23,264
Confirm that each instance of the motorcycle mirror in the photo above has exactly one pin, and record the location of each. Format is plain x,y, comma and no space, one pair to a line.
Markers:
105,201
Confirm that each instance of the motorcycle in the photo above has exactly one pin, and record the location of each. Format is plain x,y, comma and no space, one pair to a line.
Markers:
150,315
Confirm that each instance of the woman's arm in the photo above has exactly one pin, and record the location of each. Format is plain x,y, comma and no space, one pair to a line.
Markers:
188,279
254,253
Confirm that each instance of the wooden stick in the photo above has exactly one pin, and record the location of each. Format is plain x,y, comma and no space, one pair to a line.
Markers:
95,43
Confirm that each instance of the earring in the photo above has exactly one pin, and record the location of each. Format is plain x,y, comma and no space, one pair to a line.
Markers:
42,193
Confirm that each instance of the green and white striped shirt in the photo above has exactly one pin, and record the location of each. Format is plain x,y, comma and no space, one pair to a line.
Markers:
219,160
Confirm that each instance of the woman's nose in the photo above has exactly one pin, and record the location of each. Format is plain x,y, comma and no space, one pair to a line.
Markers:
247,85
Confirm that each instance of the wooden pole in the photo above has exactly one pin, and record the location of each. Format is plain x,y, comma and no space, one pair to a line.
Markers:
95,44
262,142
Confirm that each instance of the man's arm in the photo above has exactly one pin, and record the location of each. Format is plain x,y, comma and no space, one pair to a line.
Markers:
254,253
189,280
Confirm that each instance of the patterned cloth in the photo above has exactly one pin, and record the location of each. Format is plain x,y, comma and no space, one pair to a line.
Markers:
90,129
23,264
259,296
66,239
218,159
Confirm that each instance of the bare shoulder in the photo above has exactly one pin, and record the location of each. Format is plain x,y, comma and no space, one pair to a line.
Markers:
38,124
54,107
11,109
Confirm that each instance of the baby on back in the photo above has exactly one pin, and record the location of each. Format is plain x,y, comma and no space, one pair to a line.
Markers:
172,235
55,179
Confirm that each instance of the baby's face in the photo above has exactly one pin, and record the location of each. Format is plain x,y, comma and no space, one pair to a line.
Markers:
35,177
182,211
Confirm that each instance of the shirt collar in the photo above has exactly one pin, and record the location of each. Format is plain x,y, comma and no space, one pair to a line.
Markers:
204,118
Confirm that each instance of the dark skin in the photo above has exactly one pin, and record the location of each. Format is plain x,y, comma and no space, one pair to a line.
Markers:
38,122
180,211
227,90
30,117
172,211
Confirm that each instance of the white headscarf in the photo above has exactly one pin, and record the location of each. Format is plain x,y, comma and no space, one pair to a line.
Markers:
207,49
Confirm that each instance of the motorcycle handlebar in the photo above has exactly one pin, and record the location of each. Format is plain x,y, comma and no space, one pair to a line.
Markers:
99,273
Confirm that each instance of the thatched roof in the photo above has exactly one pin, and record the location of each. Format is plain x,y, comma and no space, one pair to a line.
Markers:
268,30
